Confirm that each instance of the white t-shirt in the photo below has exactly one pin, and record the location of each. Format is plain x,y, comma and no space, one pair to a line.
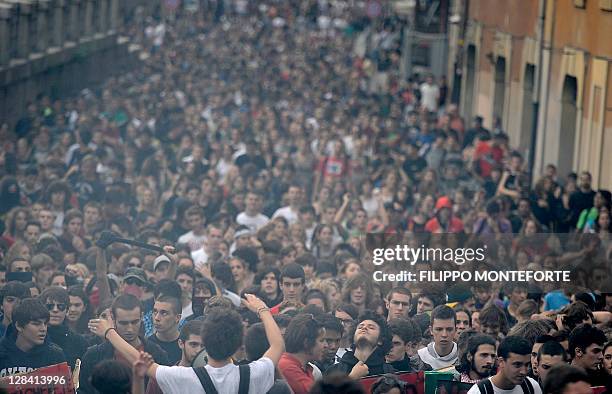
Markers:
195,242
287,213
200,257
181,380
515,390
429,96
254,223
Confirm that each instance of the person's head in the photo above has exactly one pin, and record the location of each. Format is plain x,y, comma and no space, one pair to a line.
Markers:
332,337
56,299
404,339
398,303
19,264
427,302
577,313
535,349
585,180
358,290
185,278
442,327
517,292
195,218
32,232
318,298
78,306
388,384
308,263
464,321
513,357
292,282
268,280
479,357
239,269
30,317
347,314
111,377
166,314
608,357
222,333
586,346
305,335
372,331
526,309
10,296
134,282
493,321
190,340
566,379
255,342
161,268
550,354
203,290
126,311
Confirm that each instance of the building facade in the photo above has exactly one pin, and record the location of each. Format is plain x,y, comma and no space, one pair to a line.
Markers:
541,69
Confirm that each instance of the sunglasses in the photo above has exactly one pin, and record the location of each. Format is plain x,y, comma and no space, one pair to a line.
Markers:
133,281
61,307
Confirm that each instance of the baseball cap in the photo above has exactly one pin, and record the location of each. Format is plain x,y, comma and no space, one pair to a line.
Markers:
160,260
136,273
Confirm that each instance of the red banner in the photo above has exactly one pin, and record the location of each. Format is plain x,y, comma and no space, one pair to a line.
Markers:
55,379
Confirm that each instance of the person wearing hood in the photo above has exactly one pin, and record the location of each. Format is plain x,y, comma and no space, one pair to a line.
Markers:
371,342
57,300
442,352
203,290
444,221
10,194
25,346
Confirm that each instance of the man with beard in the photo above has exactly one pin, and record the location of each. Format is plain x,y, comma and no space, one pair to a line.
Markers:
371,342
190,343
513,358
478,361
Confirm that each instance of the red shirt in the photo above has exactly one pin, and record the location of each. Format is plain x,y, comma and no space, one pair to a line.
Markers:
300,379
433,225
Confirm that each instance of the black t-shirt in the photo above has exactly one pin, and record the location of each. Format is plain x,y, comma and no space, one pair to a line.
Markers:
171,348
413,167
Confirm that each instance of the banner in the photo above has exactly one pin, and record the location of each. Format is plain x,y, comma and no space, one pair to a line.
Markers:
55,379
415,382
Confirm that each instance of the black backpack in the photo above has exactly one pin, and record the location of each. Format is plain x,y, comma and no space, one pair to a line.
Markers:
209,387
486,387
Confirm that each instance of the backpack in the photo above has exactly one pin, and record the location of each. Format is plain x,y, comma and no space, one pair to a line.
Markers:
209,387
486,387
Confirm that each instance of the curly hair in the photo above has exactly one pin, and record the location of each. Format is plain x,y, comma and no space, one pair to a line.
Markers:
385,337
473,343
222,333
353,283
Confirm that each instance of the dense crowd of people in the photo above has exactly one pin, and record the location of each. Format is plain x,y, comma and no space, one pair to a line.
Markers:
267,148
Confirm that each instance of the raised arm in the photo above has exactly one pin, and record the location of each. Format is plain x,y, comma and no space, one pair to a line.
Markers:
101,278
273,334
105,329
